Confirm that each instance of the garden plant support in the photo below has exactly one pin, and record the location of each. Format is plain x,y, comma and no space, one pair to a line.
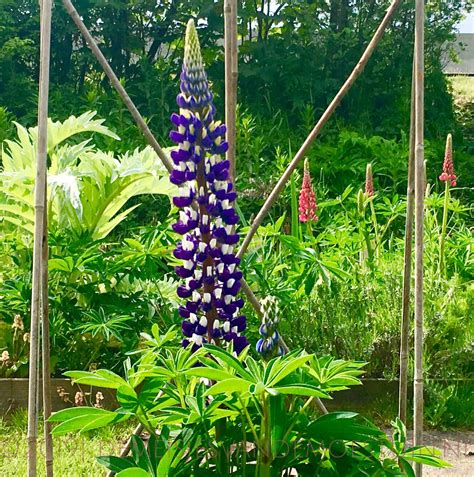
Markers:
419,219
39,293
41,173
407,266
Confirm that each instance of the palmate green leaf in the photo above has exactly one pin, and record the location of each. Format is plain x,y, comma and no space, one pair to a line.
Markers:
134,472
284,366
140,454
73,412
87,419
230,360
127,398
115,464
229,386
425,455
347,426
334,374
102,378
301,390
209,373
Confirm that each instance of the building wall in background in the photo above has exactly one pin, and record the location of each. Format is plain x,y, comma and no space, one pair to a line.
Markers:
465,51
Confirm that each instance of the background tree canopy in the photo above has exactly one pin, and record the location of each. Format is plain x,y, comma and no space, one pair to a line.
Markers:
294,55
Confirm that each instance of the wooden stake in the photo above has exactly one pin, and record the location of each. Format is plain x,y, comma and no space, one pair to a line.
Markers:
231,76
117,85
126,448
47,409
419,218
319,126
40,194
405,322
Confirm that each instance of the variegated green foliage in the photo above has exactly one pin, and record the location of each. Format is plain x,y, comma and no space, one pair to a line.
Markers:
87,188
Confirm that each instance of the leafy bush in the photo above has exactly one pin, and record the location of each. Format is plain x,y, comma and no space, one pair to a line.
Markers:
258,417
103,290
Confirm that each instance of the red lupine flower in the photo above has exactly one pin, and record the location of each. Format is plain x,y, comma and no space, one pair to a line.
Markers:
369,181
307,204
448,165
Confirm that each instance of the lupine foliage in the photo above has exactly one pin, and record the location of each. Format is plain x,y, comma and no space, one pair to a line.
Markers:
271,426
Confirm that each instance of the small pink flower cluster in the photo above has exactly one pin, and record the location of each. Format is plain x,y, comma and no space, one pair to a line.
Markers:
307,203
369,181
448,165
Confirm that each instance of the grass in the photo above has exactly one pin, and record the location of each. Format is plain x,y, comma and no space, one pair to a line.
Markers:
74,455
463,87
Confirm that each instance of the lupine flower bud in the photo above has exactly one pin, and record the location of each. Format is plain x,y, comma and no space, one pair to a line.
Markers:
79,398
270,342
211,279
307,203
360,201
369,181
99,397
448,165
18,323
5,357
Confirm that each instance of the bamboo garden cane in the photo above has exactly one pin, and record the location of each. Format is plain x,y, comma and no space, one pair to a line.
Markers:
356,72
405,321
117,85
39,233
45,348
419,218
231,75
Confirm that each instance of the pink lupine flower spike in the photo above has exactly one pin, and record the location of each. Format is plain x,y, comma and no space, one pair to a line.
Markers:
448,165
307,202
369,181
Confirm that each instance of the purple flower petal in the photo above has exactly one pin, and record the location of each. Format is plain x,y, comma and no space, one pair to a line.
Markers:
182,201
183,272
178,177
184,292
183,312
240,322
175,119
240,343
192,306
176,137
188,328
182,254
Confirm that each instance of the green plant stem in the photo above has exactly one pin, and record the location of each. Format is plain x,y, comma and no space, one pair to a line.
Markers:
309,229
443,230
221,458
376,228
250,422
244,449
181,393
264,465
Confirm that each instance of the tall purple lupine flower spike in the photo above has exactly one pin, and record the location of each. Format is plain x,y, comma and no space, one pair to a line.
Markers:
211,313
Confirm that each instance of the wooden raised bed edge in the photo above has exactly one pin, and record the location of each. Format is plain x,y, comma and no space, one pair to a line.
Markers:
14,394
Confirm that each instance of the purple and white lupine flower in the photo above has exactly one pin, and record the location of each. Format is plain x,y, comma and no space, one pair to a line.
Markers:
207,219
270,343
